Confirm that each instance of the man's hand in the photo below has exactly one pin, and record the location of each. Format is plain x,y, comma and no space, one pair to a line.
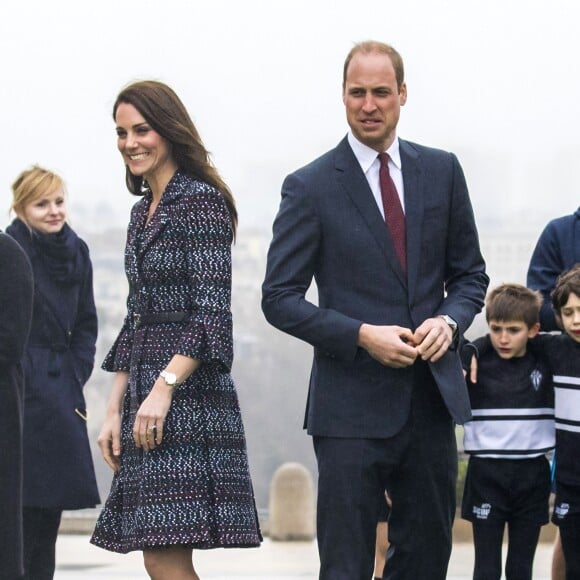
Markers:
433,338
392,346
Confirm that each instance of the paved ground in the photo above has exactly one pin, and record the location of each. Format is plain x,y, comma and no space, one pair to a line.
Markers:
78,560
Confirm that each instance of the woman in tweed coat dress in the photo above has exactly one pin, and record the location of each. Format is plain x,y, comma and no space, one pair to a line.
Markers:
173,432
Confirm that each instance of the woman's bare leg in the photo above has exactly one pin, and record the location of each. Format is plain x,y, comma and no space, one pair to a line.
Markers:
173,563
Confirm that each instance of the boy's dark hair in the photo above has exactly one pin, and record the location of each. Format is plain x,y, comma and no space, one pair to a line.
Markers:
513,302
568,282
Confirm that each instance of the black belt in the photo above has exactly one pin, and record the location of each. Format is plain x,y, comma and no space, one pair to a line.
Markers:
158,317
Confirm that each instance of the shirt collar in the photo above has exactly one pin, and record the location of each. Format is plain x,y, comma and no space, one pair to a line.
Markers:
367,156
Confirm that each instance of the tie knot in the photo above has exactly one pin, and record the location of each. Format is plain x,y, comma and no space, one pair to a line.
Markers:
384,158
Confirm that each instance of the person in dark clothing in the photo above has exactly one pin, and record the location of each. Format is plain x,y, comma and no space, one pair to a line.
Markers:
385,229
558,249
508,475
16,286
563,352
58,467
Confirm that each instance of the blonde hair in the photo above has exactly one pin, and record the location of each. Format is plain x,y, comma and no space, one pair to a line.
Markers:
31,185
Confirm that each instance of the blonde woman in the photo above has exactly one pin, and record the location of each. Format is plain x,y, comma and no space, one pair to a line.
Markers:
58,468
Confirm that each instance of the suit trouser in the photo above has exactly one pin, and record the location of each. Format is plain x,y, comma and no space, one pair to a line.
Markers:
418,466
40,534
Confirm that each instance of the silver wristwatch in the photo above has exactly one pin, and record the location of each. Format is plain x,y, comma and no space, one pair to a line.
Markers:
169,378
451,323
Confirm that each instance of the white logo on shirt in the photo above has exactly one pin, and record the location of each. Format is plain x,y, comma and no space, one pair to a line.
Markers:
536,378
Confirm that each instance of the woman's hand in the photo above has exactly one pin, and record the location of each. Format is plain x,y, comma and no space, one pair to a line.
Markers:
148,427
109,441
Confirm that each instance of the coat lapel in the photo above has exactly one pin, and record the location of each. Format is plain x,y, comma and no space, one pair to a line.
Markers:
154,227
149,232
414,205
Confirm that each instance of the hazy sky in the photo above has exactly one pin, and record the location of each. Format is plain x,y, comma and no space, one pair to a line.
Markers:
496,81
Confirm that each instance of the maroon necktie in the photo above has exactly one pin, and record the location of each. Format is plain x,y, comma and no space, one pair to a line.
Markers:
394,215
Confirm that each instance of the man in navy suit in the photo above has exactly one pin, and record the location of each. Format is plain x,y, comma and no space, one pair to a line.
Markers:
386,383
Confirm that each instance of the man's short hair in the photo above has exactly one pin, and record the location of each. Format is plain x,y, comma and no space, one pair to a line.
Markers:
373,46
513,302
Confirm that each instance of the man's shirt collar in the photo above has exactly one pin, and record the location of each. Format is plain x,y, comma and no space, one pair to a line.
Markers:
367,156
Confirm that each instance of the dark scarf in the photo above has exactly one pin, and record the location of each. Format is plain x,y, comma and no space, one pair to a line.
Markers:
59,253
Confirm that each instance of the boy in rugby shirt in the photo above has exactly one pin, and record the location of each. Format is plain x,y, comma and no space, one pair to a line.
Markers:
508,476
563,353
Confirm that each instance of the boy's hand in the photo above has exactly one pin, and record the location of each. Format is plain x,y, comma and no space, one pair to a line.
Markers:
473,370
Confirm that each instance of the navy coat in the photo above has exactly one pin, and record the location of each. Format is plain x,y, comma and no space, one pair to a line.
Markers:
15,316
58,467
558,249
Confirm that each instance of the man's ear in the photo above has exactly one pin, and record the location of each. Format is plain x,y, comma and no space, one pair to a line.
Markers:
403,94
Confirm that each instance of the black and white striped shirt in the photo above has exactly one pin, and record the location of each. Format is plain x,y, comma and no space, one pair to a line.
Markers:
512,406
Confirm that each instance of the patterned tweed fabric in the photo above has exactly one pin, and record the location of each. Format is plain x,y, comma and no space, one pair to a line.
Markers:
194,489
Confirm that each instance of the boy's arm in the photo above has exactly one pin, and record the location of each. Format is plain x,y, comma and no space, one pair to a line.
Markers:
545,345
470,353
467,350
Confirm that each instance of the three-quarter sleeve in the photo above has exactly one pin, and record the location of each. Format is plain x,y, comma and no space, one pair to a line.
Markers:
208,236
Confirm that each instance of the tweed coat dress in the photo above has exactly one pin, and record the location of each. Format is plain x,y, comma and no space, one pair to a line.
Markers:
194,489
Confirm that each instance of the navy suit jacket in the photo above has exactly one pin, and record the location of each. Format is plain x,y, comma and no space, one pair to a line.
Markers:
329,228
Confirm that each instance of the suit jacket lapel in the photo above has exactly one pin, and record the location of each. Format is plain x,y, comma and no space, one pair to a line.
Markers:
352,178
414,204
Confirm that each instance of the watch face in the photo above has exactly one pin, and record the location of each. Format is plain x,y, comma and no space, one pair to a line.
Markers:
170,378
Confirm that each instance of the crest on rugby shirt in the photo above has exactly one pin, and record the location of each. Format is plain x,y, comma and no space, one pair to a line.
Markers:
536,378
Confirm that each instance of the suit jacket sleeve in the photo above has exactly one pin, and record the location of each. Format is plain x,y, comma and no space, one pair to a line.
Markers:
465,278
16,290
292,261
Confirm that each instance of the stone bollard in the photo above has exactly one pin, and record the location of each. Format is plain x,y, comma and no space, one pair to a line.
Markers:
292,511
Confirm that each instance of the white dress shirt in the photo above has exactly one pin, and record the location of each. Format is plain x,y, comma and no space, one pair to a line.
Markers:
370,164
